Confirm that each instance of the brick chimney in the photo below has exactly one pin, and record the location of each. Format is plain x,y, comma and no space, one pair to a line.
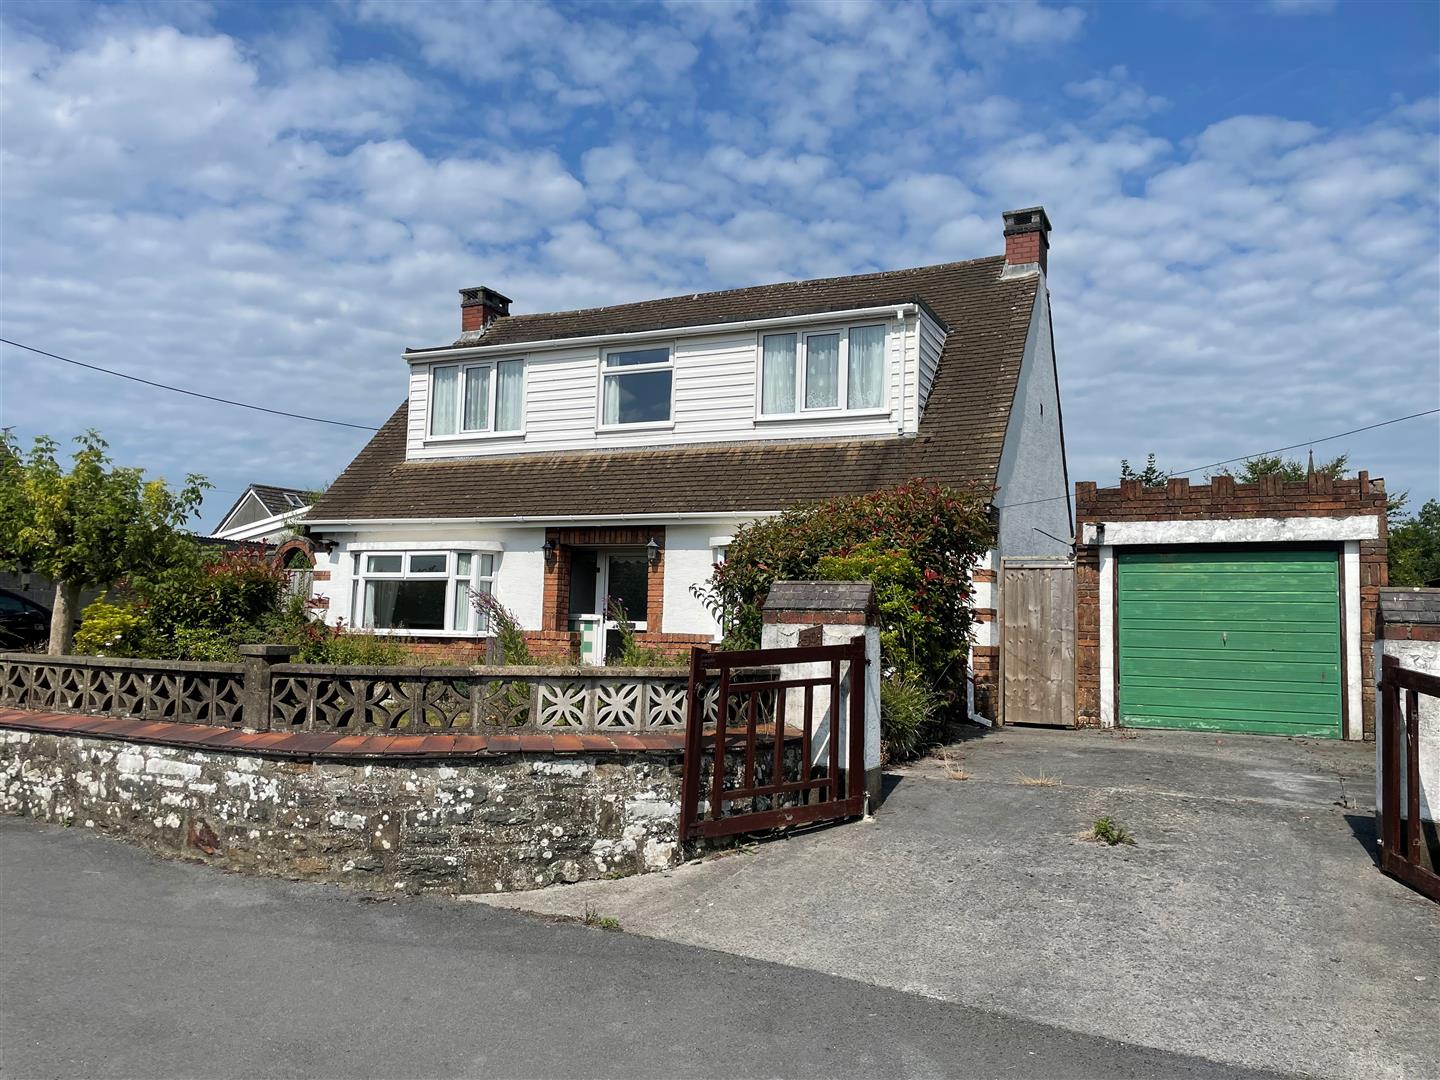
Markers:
1027,240
481,306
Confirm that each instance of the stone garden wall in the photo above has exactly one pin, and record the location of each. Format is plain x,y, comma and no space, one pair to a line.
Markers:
468,825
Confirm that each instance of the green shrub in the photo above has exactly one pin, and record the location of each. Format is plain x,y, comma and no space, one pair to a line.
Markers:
634,654
909,717
509,635
918,542
108,629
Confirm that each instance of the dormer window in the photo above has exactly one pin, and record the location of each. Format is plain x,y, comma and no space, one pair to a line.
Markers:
822,371
635,387
475,399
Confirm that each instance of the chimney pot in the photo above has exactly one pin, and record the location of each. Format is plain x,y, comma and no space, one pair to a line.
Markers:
1027,239
480,306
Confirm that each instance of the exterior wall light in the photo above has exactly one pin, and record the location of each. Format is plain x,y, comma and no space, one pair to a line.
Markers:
551,552
652,552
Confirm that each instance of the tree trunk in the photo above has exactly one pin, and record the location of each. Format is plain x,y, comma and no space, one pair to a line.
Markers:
62,618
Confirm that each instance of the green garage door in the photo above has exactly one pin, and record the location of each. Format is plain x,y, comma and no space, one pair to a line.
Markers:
1231,641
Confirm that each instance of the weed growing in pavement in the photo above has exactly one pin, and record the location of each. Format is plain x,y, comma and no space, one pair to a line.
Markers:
1041,779
1107,830
600,922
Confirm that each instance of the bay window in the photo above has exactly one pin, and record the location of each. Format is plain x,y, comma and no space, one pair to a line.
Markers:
822,371
468,399
422,591
635,387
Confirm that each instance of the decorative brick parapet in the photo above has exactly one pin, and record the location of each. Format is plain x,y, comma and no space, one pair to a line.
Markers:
1222,499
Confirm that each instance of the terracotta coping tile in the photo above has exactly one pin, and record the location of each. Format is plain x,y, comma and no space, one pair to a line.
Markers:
594,741
541,742
400,744
625,740
349,744
503,744
469,744
566,743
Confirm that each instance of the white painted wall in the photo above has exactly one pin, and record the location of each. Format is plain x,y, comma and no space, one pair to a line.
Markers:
520,570
1417,656
715,398
1032,463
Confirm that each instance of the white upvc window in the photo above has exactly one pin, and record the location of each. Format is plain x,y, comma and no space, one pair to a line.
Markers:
475,399
636,387
422,591
835,370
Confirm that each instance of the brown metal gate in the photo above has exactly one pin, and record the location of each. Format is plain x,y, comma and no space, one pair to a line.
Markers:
1403,858
764,749
1037,642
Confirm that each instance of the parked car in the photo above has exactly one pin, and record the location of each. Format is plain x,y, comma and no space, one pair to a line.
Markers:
24,624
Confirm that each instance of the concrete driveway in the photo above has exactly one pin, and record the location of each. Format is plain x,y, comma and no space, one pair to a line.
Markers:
1248,924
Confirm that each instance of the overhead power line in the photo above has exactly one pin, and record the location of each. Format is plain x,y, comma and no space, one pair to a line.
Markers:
189,393
1257,453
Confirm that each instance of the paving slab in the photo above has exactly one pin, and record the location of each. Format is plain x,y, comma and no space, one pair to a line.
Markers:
1248,924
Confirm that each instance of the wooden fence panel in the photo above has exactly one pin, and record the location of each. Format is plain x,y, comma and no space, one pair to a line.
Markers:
1037,642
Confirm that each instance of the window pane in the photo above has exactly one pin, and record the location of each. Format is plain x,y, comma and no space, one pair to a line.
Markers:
460,619
509,402
405,605
482,620
628,587
477,399
640,398
462,564
866,368
487,565
631,357
822,371
444,391
385,564
428,564
777,378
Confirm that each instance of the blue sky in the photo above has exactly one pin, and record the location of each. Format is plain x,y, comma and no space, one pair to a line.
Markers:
269,202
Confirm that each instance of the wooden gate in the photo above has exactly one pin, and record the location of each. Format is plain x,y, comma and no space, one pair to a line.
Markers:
1037,642
1403,857
764,749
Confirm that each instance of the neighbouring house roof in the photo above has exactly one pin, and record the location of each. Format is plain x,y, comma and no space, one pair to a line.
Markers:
960,438
262,501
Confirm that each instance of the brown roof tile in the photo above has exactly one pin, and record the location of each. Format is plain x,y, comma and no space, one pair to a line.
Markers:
959,442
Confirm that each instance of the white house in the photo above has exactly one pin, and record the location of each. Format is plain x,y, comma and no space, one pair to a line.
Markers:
557,459
264,514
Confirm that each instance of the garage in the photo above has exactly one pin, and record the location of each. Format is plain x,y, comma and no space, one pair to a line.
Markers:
1233,640
1228,607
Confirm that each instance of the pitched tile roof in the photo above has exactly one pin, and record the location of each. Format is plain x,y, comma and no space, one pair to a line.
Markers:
960,436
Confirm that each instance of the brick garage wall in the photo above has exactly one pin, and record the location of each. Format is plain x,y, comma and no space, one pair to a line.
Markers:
1223,498
468,825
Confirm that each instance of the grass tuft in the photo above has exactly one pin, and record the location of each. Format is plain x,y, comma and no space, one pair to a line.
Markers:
1107,830
600,922
1041,779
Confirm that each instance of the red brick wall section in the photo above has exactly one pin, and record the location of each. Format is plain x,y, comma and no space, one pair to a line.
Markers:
555,608
1272,497
985,669
1022,249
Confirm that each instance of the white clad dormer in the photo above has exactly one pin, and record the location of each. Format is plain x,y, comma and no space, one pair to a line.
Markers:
844,374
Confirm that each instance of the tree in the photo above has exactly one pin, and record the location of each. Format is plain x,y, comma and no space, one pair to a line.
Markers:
1290,470
90,526
1415,547
1151,476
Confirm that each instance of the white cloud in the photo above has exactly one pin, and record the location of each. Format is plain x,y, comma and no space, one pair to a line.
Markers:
276,224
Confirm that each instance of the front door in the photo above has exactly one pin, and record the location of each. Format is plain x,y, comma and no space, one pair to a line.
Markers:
604,584
627,594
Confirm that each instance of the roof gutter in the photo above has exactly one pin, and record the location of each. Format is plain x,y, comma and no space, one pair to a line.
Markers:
538,519
899,311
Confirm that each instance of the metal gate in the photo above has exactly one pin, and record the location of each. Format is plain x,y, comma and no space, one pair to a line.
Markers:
1403,858
763,749
1037,642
